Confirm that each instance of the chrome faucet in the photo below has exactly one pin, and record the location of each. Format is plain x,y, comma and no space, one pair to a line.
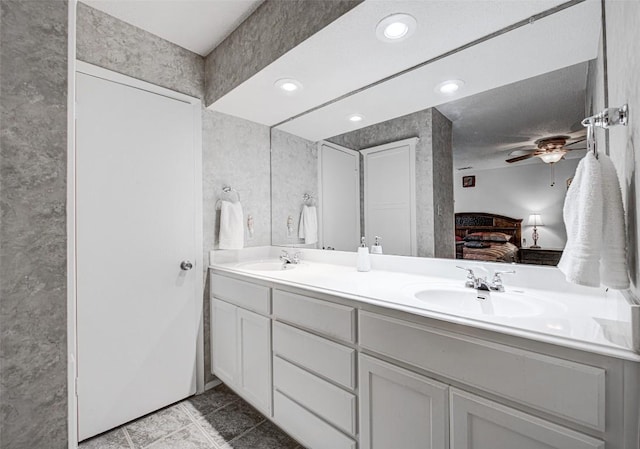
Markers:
287,259
496,282
480,283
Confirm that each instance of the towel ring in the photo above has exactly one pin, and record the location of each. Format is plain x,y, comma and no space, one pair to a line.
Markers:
228,194
308,200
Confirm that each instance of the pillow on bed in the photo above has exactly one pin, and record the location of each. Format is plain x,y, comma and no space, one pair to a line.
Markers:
488,237
477,244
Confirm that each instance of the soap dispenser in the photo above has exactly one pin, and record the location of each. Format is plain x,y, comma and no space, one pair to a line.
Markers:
364,260
377,247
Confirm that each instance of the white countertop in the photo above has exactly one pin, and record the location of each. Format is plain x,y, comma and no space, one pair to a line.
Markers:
588,319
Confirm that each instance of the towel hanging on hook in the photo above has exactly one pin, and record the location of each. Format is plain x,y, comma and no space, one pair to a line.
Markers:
228,194
308,200
592,145
605,119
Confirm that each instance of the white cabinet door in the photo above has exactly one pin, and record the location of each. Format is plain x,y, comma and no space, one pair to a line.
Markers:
224,348
241,352
254,359
477,423
400,409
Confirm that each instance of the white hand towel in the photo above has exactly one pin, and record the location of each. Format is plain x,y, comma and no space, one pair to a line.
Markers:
231,225
613,261
308,228
583,211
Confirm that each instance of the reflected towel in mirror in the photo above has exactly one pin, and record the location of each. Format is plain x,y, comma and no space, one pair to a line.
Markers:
308,228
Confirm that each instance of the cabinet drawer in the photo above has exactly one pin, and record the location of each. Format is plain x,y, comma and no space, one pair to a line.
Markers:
560,387
307,428
482,424
324,399
325,317
244,294
329,359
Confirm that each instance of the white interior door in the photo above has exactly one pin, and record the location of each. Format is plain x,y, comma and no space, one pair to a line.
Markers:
137,310
339,189
389,196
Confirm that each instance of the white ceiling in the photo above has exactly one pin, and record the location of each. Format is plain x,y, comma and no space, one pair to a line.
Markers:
346,54
197,25
566,38
489,125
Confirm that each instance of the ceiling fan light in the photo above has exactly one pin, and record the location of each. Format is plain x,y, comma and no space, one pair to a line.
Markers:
551,158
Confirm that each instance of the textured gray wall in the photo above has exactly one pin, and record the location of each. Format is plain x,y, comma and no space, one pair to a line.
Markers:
235,152
33,236
107,42
273,29
294,172
418,124
444,222
623,67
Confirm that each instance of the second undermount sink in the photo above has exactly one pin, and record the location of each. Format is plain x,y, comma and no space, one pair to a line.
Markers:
469,301
267,265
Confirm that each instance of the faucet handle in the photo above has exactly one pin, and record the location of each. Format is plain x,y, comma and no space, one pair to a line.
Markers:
297,256
469,271
496,282
472,281
498,273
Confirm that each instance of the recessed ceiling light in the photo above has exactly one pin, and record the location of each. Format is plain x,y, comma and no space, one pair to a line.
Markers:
396,27
355,118
288,85
449,87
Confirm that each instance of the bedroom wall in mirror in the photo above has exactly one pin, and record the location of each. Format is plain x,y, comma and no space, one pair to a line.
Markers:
448,170
516,149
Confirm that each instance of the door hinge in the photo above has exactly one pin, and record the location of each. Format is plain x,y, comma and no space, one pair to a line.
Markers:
76,387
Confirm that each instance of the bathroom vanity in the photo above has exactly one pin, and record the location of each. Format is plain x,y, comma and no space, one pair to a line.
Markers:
345,360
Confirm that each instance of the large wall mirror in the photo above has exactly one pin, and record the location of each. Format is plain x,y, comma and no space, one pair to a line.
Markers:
452,157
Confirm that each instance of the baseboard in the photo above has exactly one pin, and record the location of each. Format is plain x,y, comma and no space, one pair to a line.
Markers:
214,383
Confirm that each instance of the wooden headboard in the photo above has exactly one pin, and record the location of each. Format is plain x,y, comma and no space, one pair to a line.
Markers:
468,222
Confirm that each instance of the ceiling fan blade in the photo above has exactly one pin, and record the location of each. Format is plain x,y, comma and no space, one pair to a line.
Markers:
573,143
521,152
520,158
575,149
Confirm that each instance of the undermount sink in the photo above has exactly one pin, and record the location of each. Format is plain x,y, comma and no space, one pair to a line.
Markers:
462,300
267,265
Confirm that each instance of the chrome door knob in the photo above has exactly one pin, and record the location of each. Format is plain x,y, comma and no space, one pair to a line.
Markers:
186,265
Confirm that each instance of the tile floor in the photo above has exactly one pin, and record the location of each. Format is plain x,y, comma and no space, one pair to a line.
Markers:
217,419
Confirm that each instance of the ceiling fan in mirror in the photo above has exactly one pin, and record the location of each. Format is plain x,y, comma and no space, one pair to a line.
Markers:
549,149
